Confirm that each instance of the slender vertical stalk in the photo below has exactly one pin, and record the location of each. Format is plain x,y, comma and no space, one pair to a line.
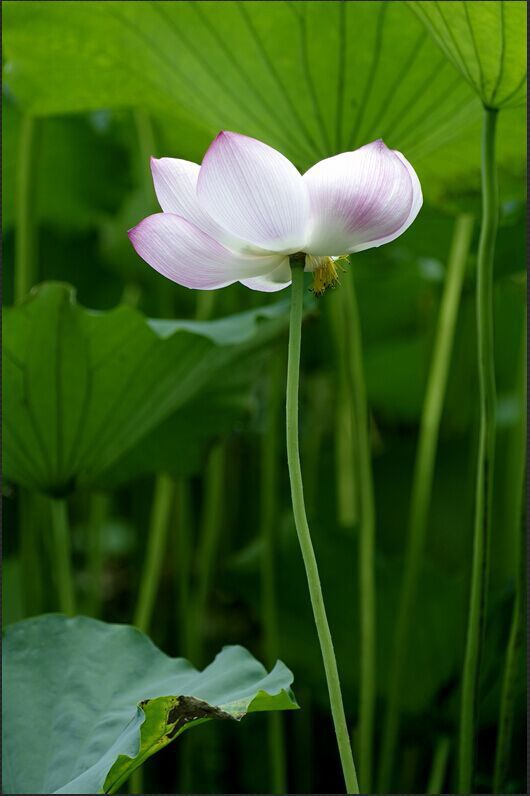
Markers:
423,483
345,449
205,305
147,146
269,521
30,553
62,556
361,426
183,561
439,766
24,248
207,549
486,451
517,628
156,548
304,535
99,510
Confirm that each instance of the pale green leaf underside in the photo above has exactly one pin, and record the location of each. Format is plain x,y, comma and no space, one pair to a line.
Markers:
86,702
311,78
486,41
81,388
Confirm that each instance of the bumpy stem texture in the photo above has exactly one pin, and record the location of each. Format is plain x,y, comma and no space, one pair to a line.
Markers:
486,451
423,483
304,536
62,556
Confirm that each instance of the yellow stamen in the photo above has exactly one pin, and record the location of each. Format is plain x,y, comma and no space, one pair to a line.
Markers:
325,272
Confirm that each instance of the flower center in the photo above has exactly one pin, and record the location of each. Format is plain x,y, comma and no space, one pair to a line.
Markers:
325,271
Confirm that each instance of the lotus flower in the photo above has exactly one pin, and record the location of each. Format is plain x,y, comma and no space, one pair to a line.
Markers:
246,209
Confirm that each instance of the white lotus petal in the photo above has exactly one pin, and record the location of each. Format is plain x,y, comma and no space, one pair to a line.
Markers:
360,199
185,254
254,192
278,279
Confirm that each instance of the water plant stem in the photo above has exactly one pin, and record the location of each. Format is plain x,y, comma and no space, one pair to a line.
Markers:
207,548
304,535
439,766
182,547
344,417
423,482
515,647
62,556
269,521
99,510
156,548
25,199
485,459
361,439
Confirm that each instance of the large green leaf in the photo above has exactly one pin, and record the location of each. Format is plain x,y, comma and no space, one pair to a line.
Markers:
486,41
311,78
82,388
85,702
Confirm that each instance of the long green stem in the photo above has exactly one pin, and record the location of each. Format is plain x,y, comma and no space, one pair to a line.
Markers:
361,426
269,520
31,562
99,510
147,146
207,548
182,549
486,451
304,536
156,548
423,483
25,198
517,629
344,418
439,766
62,556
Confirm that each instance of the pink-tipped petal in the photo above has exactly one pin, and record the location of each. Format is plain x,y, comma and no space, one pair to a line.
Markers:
185,254
278,279
254,192
360,199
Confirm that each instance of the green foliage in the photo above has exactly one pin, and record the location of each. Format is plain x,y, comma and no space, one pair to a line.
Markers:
486,41
81,388
85,703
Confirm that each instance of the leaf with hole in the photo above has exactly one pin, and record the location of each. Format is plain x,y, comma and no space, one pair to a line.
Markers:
85,702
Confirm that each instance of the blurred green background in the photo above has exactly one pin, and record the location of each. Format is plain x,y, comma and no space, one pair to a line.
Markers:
91,90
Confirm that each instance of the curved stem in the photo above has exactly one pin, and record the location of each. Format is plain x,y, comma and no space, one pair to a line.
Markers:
517,629
361,426
269,520
423,483
486,451
24,251
304,536
62,556
156,548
